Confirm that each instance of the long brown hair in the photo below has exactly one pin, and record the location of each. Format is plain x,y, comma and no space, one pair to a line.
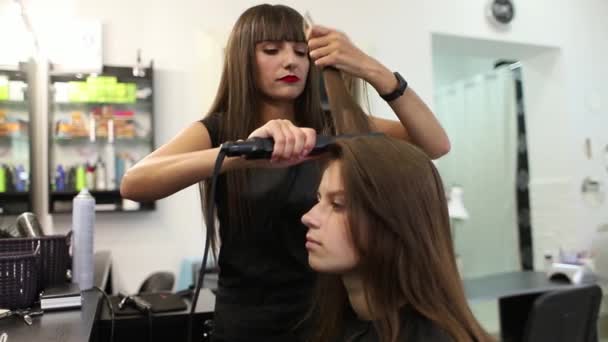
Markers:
398,218
238,98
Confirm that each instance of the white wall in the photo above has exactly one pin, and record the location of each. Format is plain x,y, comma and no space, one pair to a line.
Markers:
587,83
179,36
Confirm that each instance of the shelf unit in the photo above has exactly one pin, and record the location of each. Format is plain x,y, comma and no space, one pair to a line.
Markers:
99,125
15,142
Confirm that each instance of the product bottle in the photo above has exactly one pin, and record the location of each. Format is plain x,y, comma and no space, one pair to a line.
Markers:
70,181
83,225
60,178
100,175
110,158
81,178
20,179
90,175
2,179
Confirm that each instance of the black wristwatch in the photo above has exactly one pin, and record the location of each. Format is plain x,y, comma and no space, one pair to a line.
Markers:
397,92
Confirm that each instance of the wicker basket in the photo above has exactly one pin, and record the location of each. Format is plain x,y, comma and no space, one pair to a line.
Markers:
18,279
54,256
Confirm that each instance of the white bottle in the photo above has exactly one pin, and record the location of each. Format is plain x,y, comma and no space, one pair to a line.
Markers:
83,225
110,158
90,175
100,175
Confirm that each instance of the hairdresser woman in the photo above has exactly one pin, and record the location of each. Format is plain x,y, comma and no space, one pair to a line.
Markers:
269,88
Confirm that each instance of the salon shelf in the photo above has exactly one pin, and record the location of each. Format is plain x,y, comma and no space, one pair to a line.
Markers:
15,142
13,103
11,138
14,195
83,140
75,151
94,193
122,73
144,208
18,105
139,106
107,197
14,203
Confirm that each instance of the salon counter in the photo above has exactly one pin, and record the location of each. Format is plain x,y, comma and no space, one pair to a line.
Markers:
68,325
513,284
92,322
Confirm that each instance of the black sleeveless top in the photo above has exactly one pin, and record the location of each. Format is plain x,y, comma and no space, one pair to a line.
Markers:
265,283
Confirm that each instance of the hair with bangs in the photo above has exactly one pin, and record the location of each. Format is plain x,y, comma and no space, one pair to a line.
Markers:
398,220
238,99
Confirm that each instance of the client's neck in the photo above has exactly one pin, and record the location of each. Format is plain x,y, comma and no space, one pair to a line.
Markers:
356,295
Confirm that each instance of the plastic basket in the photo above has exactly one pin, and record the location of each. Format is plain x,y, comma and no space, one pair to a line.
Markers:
54,256
18,279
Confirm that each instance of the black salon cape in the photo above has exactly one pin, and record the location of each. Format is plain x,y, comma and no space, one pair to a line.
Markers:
414,328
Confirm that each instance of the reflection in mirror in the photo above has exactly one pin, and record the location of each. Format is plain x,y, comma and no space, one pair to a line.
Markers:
479,100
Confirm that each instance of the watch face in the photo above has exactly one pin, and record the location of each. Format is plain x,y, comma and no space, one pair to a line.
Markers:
503,11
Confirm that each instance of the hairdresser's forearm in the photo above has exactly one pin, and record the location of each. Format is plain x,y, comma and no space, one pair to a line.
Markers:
157,177
421,124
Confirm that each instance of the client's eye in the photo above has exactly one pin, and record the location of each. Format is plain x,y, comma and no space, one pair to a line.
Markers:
337,206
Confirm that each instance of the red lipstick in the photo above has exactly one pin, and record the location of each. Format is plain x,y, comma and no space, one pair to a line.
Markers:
289,79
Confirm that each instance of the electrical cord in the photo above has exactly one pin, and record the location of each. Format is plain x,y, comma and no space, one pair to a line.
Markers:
142,305
149,314
110,308
210,224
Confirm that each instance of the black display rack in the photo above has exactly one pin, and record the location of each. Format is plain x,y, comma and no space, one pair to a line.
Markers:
92,119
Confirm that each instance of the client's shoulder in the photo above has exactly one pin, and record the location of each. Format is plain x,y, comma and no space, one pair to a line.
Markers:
418,328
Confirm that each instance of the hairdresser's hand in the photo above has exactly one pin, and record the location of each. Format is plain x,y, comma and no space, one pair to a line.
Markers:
291,144
329,47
